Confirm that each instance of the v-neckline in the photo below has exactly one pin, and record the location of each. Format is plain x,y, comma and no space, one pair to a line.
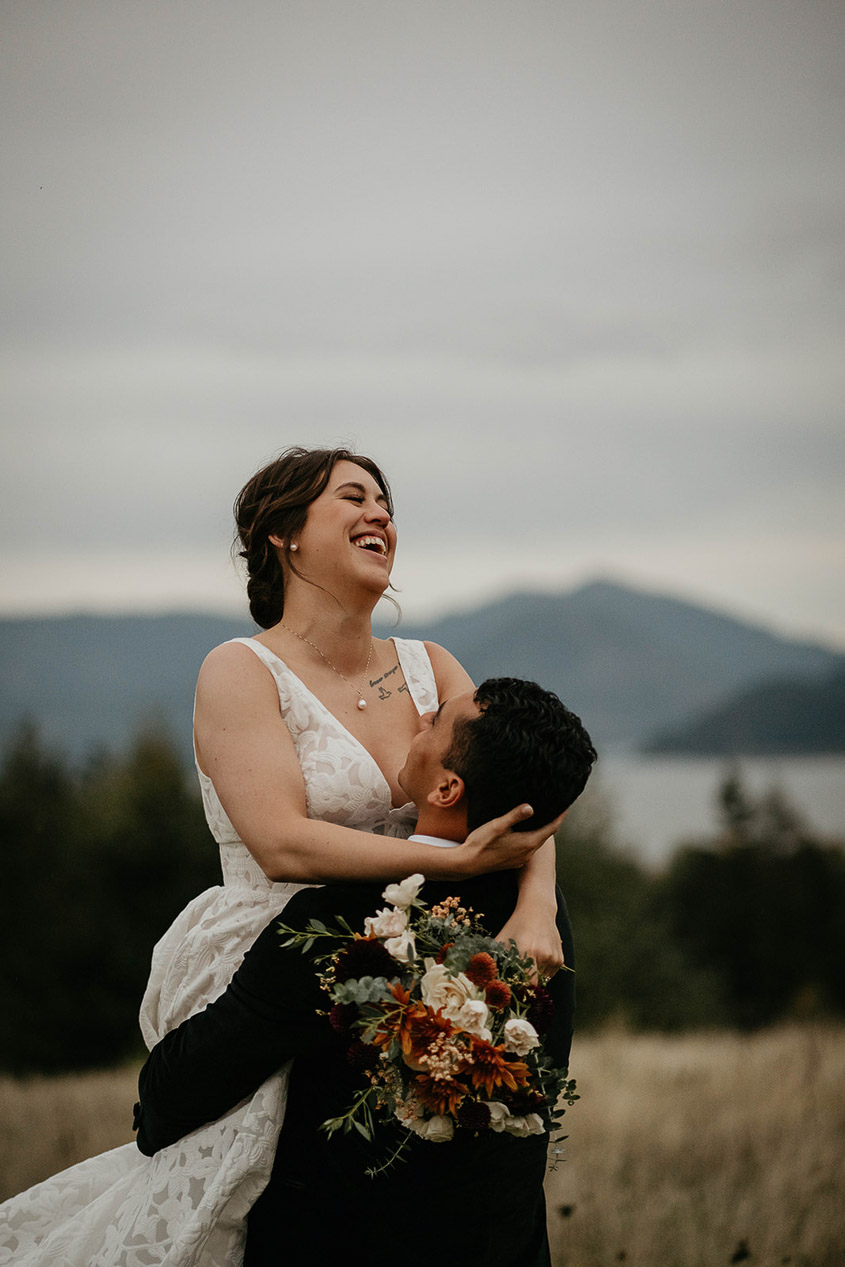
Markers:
337,720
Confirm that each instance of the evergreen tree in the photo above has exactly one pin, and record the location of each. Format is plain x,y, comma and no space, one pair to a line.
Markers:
99,863
629,969
763,907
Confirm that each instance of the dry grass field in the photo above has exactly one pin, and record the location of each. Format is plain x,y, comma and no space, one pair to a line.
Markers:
47,1124
701,1150
683,1152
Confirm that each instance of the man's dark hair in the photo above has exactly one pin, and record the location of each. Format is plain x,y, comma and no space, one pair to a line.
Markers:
525,745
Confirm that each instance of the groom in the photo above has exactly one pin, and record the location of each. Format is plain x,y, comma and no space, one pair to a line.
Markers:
477,1198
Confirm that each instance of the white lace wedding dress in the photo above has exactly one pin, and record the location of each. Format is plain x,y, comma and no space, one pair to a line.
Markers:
186,1206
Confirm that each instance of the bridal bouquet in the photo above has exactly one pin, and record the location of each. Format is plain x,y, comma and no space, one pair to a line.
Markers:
445,1024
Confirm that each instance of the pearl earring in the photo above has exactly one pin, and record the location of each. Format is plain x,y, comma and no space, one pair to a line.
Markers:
293,546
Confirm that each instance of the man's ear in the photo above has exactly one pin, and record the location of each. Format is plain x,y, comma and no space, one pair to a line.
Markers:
449,791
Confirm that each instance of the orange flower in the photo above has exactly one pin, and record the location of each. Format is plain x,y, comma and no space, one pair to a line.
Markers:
490,1069
393,1018
419,1030
482,969
442,1095
497,995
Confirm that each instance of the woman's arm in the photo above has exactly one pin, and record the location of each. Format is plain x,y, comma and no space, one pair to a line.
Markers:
533,924
451,678
244,746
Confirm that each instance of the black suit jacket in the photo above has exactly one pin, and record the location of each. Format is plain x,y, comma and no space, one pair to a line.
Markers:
479,1197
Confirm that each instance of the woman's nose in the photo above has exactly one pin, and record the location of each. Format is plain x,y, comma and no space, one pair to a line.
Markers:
378,513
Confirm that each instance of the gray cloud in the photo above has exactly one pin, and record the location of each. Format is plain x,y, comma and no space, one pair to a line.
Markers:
573,273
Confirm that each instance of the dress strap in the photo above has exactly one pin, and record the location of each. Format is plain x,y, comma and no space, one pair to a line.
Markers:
265,655
413,659
418,673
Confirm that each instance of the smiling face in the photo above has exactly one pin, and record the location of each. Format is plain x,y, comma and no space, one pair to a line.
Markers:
349,534
424,772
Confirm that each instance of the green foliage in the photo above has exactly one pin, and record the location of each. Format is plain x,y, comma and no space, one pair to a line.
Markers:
628,967
763,906
743,930
97,863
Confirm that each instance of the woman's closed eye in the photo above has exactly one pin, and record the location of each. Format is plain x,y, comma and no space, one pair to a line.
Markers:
360,500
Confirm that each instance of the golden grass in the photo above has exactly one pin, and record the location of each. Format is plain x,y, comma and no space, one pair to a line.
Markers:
680,1151
47,1124
683,1150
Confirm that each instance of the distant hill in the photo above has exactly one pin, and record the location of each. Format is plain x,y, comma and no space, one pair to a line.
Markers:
91,681
632,664
772,719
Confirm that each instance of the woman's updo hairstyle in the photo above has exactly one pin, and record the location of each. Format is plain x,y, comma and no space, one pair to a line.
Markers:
275,503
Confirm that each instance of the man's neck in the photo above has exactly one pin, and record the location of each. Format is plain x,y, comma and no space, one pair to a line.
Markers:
443,826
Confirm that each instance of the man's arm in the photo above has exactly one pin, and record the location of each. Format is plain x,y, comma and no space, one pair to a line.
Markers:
216,1058
562,989
269,1012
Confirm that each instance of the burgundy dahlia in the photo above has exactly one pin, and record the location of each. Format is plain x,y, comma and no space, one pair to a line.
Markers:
366,957
343,1016
526,1100
362,1056
473,1115
541,1012
541,1008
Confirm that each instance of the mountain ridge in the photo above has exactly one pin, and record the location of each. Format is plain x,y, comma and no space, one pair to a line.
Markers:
633,664
779,717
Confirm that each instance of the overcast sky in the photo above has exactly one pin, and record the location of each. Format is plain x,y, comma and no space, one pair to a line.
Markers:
571,272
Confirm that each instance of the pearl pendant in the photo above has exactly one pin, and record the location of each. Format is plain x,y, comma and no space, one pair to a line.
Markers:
362,703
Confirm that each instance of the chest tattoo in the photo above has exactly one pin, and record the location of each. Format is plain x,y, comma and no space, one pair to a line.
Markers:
380,682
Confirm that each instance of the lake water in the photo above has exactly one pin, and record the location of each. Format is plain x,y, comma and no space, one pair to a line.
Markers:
655,802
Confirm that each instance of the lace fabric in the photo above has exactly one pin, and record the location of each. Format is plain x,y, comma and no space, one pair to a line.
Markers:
186,1207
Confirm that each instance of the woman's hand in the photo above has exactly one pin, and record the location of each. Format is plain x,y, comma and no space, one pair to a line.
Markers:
533,925
537,938
495,846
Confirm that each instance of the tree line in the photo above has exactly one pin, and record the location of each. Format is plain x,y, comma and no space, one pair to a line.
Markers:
743,929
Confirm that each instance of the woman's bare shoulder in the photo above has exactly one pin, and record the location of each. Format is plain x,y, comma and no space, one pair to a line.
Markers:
449,674
230,666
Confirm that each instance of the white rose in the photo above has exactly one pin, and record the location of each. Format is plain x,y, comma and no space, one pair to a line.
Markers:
401,947
385,923
403,894
437,1130
473,1018
531,1124
520,1036
443,992
499,1115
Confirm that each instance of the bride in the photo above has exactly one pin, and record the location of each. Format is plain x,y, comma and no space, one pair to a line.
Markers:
299,734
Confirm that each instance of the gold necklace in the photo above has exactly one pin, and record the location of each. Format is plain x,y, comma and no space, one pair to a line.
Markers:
359,691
